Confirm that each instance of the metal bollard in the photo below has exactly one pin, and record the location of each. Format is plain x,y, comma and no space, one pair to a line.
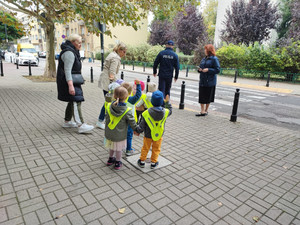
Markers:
268,79
92,76
144,65
235,105
123,65
148,80
122,75
29,66
187,71
17,63
181,104
11,59
1,66
235,76
133,65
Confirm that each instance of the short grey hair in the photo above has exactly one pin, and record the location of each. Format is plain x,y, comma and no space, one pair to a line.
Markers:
74,37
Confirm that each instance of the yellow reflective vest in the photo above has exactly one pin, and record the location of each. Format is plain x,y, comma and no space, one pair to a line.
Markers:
114,120
132,107
146,101
156,127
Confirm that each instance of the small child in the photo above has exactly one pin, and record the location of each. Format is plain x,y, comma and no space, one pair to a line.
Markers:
153,124
145,100
118,118
131,100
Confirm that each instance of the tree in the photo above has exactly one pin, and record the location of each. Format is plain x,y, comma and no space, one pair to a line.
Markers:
14,29
294,29
249,22
286,17
210,17
160,32
189,28
111,12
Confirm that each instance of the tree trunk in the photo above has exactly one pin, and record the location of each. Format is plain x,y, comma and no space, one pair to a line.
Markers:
50,67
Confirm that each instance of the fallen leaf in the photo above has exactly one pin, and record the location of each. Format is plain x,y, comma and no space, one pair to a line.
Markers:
285,167
122,210
257,139
41,189
255,218
59,216
264,160
220,203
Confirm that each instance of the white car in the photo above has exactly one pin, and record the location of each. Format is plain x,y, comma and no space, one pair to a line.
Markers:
23,58
42,54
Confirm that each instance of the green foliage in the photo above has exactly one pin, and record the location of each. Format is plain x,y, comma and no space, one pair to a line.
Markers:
137,53
258,58
152,52
14,29
210,16
287,59
98,55
232,56
186,59
286,16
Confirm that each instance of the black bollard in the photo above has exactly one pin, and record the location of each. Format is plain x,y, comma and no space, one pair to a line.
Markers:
181,104
11,59
144,65
123,65
235,105
17,63
187,71
148,80
235,76
92,76
133,65
29,66
122,75
1,66
268,79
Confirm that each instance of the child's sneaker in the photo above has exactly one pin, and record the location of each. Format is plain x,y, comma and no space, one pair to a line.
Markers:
69,124
141,163
118,165
111,161
154,165
129,152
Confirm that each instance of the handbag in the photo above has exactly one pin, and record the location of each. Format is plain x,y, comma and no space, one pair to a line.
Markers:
77,79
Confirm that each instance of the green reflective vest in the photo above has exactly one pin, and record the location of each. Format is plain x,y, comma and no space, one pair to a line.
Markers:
146,101
114,120
156,127
132,107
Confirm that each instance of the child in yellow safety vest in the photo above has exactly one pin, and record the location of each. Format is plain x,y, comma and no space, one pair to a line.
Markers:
153,124
119,117
145,101
131,101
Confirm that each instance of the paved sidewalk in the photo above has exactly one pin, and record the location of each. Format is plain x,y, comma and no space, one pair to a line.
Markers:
221,172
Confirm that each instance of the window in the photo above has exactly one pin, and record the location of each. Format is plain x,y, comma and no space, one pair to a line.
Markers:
82,30
36,37
71,31
82,46
67,32
75,30
88,46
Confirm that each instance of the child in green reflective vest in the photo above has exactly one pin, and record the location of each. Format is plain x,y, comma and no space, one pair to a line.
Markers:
153,124
145,101
118,117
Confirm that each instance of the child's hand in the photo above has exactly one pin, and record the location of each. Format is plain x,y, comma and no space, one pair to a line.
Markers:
137,81
136,133
167,99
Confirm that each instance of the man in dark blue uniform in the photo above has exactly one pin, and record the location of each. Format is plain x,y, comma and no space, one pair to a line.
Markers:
168,61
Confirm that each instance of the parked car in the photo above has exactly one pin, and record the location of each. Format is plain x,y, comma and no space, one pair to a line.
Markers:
42,54
23,58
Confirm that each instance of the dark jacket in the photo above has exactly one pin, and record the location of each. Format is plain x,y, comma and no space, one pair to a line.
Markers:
62,85
209,79
157,113
119,133
168,61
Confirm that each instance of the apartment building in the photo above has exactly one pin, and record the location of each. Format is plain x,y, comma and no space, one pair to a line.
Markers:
90,42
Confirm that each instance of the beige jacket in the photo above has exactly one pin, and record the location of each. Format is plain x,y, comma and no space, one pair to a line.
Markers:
112,65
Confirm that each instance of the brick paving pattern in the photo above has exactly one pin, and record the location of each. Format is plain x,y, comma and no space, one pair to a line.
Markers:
221,172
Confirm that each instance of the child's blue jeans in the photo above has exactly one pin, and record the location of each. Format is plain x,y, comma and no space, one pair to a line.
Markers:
129,138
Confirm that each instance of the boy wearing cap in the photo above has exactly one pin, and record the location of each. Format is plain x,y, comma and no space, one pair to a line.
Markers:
153,124
168,61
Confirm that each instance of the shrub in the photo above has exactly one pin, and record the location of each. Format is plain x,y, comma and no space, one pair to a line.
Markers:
153,52
232,56
98,55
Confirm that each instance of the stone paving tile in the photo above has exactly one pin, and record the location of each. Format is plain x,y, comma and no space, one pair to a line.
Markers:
250,169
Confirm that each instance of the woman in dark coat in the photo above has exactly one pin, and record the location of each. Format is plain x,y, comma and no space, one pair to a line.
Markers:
208,69
69,63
